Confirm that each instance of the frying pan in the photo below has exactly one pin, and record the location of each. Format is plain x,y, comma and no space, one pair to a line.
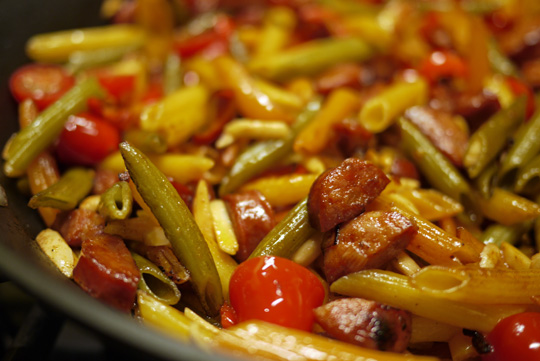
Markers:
21,260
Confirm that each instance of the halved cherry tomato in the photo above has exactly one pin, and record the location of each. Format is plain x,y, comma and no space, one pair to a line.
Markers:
215,39
518,87
86,140
120,87
443,64
228,316
276,290
44,84
516,337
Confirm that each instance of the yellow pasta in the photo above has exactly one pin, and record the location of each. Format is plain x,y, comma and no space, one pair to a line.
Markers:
223,228
397,291
428,330
380,111
58,251
508,208
479,285
283,190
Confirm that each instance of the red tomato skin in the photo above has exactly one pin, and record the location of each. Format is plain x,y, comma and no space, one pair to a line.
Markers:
276,290
516,337
443,63
86,140
43,83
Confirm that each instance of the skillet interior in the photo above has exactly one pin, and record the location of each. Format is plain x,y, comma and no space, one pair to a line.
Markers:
21,261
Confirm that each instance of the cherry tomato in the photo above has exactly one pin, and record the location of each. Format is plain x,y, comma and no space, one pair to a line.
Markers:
44,84
228,316
276,290
86,140
215,39
442,64
516,337
120,87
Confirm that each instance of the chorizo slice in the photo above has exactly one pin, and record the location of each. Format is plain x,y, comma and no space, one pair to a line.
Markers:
366,323
368,241
443,131
79,224
342,193
252,218
107,271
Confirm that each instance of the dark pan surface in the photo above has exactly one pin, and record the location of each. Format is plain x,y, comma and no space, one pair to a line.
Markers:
21,261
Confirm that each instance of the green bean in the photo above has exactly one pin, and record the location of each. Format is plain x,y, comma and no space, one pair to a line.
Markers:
528,177
498,233
85,59
41,133
311,58
265,154
179,226
172,77
351,7
155,282
488,141
65,194
116,202
526,146
499,62
146,141
437,169
485,181
288,235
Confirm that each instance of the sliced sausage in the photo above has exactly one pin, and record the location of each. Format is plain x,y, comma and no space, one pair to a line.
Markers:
366,323
107,271
104,179
252,218
79,224
342,193
443,131
368,241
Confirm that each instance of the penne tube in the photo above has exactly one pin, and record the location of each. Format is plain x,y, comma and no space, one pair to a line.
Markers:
309,251
252,129
379,112
316,135
514,258
58,46
58,251
178,115
479,285
432,204
395,290
225,264
428,330
154,282
223,227
140,229
461,347
183,168
508,208
284,97
283,190
266,341
277,30
163,317
405,264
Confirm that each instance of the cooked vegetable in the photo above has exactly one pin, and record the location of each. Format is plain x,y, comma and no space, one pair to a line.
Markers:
181,230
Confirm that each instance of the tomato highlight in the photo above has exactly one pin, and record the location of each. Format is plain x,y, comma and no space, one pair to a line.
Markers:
86,140
44,84
515,337
276,290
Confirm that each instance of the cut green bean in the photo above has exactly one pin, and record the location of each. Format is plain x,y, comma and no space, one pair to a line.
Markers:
116,202
437,169
155,282
263,155
65,194
311,58
179,226
146,141
172,77
490,139
526,146
288,235
498,233
86,59
485,181
528,177
41,133
499,62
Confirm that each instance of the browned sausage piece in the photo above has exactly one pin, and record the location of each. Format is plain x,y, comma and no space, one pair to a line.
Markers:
107,271
341,193
79,224
368,241
252,218
366,323
443,131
